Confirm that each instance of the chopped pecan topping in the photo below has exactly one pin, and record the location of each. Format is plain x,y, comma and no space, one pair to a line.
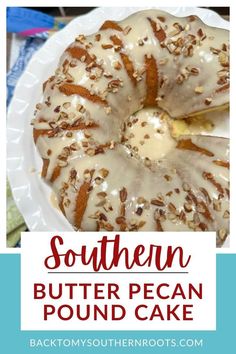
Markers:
107,46
139,211
157,202
123,195
120,220
222,234
188,207
98,37
199,89
226,214
208,101
126,30
104,172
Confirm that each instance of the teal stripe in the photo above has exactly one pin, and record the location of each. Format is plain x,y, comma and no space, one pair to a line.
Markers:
12,340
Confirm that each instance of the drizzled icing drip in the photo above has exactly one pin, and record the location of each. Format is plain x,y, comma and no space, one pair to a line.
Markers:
109,175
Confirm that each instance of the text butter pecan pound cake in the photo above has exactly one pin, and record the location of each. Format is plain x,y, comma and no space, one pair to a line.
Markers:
112,168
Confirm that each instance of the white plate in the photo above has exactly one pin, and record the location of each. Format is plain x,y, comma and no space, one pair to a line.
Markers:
32,195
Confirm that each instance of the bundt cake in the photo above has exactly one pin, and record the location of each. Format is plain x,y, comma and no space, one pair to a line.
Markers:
112,165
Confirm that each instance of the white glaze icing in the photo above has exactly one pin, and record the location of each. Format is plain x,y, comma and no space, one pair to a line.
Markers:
170,167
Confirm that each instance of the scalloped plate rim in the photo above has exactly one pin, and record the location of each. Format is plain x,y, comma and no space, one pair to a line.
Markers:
29,190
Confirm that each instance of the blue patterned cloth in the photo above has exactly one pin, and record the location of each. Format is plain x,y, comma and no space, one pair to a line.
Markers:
28,48
20,20
30,45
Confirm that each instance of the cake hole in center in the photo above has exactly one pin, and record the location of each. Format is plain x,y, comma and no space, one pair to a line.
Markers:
147,135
